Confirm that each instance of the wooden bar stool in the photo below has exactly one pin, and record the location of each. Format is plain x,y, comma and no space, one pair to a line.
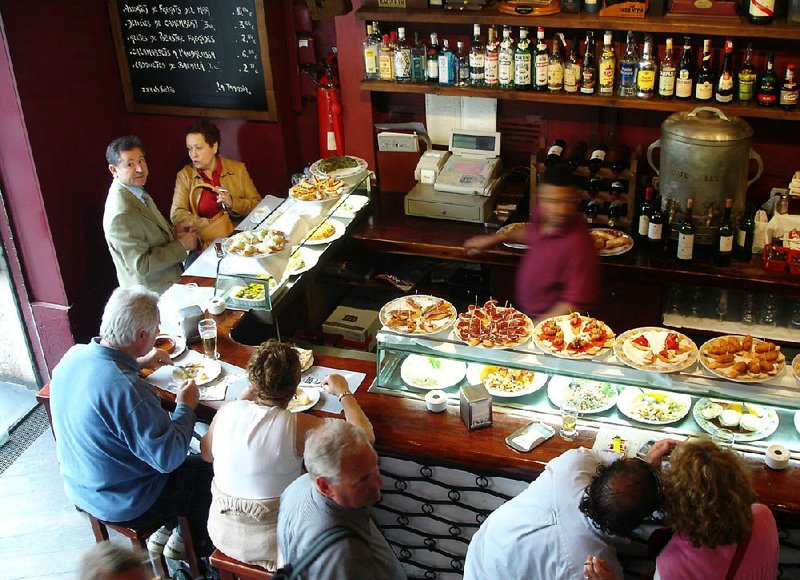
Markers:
230,569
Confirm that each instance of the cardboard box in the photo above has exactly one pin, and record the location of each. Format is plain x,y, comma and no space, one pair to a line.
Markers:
356,326
625,10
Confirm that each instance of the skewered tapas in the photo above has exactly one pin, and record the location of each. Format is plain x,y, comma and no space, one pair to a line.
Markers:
493,326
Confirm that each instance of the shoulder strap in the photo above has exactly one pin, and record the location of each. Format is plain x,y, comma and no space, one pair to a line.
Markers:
738,555
326,539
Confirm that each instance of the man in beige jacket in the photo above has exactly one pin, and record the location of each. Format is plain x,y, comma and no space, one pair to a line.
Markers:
146,250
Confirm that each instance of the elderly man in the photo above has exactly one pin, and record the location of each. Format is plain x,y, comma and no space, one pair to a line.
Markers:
563,525
145,248
123,458
342,483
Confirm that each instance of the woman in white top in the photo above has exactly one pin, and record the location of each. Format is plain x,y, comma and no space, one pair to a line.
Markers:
256,446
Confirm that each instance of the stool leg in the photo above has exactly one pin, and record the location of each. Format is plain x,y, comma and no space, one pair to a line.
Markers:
100,531
159,563
188,546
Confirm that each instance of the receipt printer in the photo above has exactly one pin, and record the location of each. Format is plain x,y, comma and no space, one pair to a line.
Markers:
430,166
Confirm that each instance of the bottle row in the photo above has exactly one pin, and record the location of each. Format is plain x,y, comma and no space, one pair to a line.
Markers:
617,160
515,64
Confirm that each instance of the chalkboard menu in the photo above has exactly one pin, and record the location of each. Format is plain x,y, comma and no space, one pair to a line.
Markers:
205,58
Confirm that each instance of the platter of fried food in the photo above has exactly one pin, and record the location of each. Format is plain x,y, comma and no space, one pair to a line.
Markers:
317,190
608,242
743,359
747,421
573,336
328,231
653,407
304,398
655,349
428,372
418,315
510,228
505,382
493,326
255,243
585,395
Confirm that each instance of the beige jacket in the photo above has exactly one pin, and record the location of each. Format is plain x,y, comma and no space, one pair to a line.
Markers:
143,245
234,178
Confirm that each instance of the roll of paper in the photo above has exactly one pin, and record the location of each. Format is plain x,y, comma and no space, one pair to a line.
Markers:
777,457
216,305
436,401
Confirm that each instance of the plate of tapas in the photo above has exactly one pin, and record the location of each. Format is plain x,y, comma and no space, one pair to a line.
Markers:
301,260
173,344
510,228
505,382
655,349
493,326
428,372
304,398
573,336
317,190
418,315
743,359
338,166
351,206
585,395
608,242
256,243
327,232
653,407
747,421
203,371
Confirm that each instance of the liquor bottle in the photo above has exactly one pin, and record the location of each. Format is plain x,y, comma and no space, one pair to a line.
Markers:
541,61
608,66
591,6
462,65
760,11
646,71
627,67
615,208
419,60
386,60
505,61
522,62
746,81
370,56
402,58
589,68
655,228
666,73
555,153
725,237
432,72
704,87
724,92
392,39
555,67
644,213
670,215
477,58
572,69
767,95
576,154
745,235
490,71
686,235
685,78
447,65
787,99
598,158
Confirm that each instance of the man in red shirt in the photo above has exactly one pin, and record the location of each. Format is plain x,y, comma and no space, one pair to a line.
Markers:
559,271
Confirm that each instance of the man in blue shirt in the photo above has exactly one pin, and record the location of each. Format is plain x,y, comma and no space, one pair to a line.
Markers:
123,458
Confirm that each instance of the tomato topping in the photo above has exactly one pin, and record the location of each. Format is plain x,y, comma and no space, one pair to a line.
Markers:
641,340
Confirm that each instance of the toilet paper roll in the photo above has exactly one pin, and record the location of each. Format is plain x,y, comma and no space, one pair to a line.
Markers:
216,305
436,401
777,457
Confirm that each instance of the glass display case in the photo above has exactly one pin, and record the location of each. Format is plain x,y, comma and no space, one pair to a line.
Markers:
611,393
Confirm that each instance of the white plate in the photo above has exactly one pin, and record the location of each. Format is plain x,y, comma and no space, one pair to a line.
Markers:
563,322
475,370
780,364
419,372
351,206
656,336
259,214
466,318
631,395
180,344
770,421
309,257
422,301
311,393
211,368
309,361
509,228
339,173
797,419
339,228
617,234
559,384
339,192
226,246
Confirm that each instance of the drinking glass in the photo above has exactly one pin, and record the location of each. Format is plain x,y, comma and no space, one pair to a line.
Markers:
569,421
723,438
208,334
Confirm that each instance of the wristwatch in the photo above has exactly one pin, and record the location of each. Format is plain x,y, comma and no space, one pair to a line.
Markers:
340,397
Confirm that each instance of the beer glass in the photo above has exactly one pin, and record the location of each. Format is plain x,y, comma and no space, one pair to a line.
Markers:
569,421
208,334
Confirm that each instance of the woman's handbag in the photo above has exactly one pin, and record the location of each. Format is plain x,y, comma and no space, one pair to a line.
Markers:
220,226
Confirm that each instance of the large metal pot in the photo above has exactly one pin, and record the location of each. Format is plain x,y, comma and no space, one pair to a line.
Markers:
705,155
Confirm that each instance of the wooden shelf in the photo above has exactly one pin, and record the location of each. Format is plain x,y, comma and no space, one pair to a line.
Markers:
729,26
652,104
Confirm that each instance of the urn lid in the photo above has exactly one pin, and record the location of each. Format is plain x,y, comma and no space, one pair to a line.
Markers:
706,124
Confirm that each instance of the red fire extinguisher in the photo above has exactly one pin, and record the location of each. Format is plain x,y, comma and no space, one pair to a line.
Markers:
329,110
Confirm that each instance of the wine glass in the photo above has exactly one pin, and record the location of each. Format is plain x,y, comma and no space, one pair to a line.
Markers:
722,304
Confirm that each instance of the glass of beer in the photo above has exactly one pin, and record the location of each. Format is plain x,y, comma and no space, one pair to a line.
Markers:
208,334
569,421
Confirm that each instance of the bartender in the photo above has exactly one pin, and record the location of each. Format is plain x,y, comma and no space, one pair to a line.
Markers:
559,271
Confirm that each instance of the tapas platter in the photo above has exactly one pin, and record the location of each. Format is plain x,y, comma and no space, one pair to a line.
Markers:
510,228
608,242
587,396
340,166
655,349
418,315
653,407
255,243
304,398
317,190
327,232
493,326
743,359
202,371
173,344
427,372
747,421
351,206
573,336
505,382
301,261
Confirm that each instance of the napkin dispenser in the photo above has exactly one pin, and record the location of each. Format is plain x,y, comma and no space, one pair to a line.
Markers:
188,319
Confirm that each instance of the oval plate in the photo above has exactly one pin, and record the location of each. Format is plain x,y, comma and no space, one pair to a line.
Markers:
608,232
632,395
295,406
421,302
770,420
569,333
748,377
656,336
510,228
475,372
361,165
308,257
447,374
559,385
525,322
226,246
339,229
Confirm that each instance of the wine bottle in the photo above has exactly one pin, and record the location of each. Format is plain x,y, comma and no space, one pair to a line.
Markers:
644,213
386,60
745,235
370,56
655,228
477,58
724,92
555,67
627,68
704,87
402,58
462,65
598,158
419,60
541,61
572,70
725,237
666,73
432,73
447,65
760,11
589,68
620,160
767,95
555,153
646,71
490,69
746,79
608,66
505,61
787,99
577,154
685,79
522,62
686,235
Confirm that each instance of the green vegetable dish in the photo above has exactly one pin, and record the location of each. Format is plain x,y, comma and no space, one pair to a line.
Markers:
339,163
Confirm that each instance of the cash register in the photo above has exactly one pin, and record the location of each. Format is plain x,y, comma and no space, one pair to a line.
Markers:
465,186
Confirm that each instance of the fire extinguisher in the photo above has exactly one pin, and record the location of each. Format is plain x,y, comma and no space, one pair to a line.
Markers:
329,110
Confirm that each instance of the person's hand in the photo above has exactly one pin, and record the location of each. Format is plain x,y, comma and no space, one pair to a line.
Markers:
154,359
477,244
185,226
224,197
188,239
660,450
335,385
596,569
188,394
